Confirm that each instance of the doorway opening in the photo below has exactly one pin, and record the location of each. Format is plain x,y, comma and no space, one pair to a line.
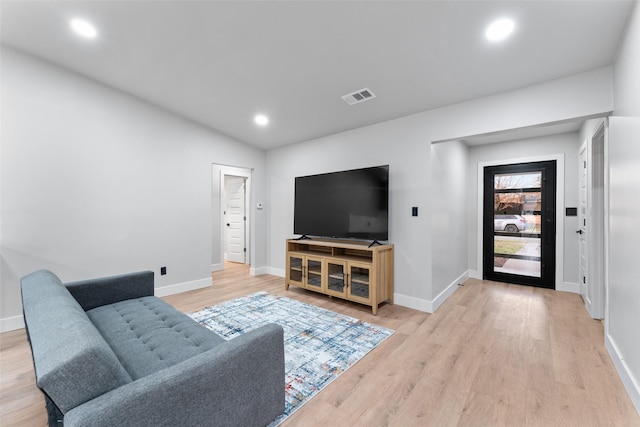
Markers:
591,225
231,216
519,223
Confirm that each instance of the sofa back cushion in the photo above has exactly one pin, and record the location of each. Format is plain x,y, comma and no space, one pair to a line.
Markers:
73,363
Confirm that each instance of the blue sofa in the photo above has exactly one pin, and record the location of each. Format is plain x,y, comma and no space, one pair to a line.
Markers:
107,352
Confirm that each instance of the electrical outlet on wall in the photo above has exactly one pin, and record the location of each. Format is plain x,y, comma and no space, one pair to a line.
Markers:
163,271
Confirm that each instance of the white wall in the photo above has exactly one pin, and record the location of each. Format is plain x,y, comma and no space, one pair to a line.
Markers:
96,182
449,205
565,145
404,144
369,146
623,297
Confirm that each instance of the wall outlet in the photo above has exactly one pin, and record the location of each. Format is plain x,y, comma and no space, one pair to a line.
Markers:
163,271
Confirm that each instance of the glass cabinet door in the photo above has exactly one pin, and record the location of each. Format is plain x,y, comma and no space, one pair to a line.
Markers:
295,270
314,274
360,282
336,278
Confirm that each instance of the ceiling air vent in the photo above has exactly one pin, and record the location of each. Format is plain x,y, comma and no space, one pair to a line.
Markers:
358,96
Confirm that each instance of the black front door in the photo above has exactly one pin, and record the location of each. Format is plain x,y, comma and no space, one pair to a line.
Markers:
519,223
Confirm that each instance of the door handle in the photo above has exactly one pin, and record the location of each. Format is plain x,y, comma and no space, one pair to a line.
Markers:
579,231
228,225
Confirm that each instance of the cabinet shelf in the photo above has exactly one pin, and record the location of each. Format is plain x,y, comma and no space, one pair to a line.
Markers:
345,269
360,278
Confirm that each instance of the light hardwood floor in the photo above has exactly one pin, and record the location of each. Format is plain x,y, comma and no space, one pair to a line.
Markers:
492,354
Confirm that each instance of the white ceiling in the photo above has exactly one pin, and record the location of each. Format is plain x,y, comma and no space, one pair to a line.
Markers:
221,62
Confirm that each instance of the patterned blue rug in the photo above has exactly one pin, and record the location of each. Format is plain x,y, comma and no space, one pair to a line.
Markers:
319,344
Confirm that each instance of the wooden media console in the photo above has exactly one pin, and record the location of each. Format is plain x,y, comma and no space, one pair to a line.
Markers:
344,269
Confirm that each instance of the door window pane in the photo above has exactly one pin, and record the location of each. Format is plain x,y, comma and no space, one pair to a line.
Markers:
508,181
517,255
336,277
516,222
295,269
360,282
314,273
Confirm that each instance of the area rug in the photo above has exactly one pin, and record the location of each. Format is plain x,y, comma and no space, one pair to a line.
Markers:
319,344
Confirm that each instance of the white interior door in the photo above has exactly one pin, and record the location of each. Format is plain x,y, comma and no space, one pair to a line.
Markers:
235,218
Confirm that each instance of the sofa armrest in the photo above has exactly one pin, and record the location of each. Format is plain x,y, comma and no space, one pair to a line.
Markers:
108,290
238,383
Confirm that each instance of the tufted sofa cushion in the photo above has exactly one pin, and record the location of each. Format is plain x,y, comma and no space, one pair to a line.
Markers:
148,335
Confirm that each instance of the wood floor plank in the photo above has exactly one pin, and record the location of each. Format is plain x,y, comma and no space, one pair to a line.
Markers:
493,354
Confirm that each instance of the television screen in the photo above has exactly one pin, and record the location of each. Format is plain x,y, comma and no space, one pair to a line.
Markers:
348,204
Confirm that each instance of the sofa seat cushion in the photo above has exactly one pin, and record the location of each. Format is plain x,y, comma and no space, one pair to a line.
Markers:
148,335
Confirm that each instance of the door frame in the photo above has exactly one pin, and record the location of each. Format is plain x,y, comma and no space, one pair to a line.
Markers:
217,200
548,217
583,212
596,219
560,208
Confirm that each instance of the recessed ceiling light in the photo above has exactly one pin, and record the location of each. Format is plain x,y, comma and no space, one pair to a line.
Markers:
261,119
83,28
500,29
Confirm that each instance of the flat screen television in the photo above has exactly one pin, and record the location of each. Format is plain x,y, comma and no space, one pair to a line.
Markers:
351,204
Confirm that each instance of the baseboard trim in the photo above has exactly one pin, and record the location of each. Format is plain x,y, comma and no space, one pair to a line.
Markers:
217,267
182,287
11,323
568,287
474,274
258,271
280,272
430,306
413,302
629,382
448,291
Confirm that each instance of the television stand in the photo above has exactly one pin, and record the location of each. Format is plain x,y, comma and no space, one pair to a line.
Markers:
354,271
